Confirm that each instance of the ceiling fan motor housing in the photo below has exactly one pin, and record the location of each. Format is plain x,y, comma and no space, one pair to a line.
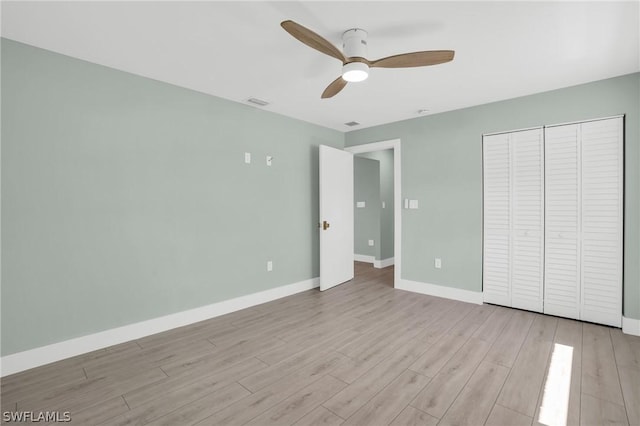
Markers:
354,43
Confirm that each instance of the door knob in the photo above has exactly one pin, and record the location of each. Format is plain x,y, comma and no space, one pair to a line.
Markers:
325,225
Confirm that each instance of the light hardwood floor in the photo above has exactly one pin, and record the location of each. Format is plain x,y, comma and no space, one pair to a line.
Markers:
361,353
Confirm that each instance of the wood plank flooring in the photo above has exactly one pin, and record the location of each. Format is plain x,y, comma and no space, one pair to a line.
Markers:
359,354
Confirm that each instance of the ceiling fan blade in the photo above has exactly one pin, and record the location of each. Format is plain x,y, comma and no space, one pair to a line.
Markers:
334,88
414,59
312,39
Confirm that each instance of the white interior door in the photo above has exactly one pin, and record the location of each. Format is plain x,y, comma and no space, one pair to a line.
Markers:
513,219
496,267
562,221
527,248
336,217
601,207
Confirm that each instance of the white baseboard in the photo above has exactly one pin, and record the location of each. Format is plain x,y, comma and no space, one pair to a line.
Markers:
441,291
372,259
21,361
383,263
364,258
630,326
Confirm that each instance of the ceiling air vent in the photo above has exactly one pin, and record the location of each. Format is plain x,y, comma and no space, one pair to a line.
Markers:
352,123
258,102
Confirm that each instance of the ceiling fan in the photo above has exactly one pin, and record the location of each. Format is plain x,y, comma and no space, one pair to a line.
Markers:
355,67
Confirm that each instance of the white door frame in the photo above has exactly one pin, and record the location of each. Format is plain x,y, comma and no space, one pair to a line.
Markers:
397,195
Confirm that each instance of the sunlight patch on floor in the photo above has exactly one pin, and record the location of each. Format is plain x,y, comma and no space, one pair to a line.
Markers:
555,400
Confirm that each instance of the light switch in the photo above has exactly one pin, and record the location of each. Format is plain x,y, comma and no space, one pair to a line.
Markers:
247,157
438,263
384,204
269,266
413,204
406,203
371,243
360,204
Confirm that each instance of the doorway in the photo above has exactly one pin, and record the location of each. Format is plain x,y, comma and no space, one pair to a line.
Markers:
373,212
392,204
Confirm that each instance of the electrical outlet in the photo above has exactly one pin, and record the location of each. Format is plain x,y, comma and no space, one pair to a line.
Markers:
438,263
269,160
269,265
371,243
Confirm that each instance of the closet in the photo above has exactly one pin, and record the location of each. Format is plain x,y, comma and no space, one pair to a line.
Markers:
552,220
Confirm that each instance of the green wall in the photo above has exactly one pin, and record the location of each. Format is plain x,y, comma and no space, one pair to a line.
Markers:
385,157
386,194
366,187
441,167
126,199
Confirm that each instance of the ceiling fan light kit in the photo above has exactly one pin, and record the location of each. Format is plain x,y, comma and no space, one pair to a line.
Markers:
355,65
355,71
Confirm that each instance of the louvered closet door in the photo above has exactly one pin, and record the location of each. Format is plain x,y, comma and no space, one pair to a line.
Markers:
527,248
496,218
602,180
562,222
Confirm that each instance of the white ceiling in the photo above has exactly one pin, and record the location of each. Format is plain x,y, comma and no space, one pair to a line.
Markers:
237,50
